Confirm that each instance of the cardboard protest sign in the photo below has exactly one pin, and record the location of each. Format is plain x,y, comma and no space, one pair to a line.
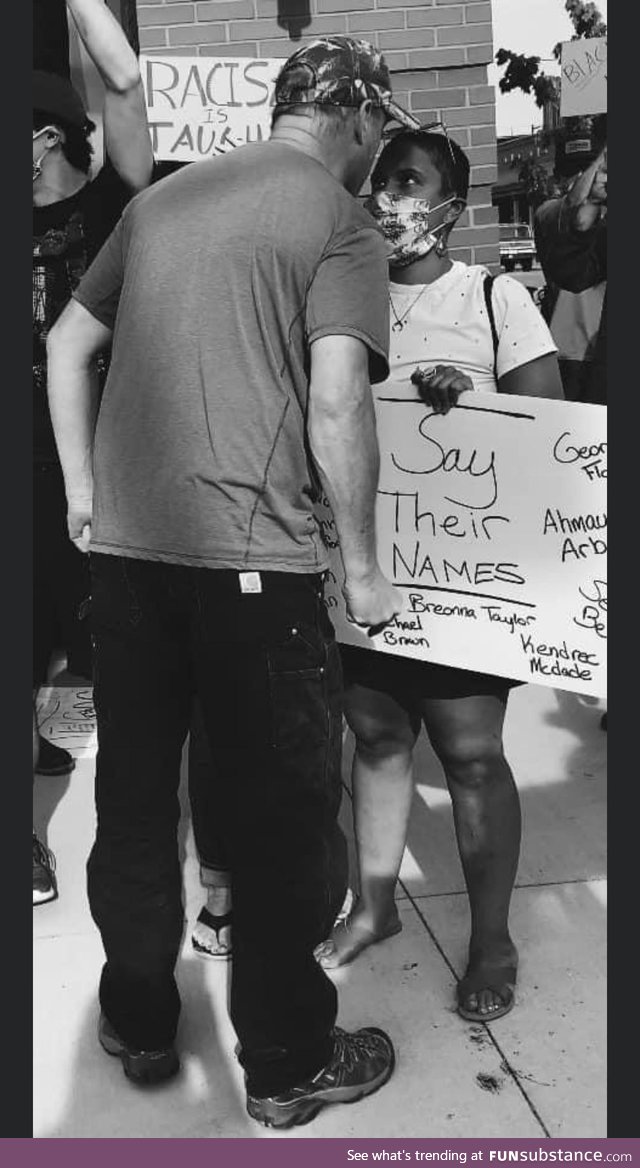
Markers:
67,717
202,106
583,86
492,523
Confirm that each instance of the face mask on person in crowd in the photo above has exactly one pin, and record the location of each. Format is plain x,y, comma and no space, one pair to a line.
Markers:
37,162
405,225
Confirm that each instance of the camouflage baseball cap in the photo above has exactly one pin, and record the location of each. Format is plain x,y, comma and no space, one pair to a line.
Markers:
338,70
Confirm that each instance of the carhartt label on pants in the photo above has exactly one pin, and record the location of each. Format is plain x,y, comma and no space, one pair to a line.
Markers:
250,582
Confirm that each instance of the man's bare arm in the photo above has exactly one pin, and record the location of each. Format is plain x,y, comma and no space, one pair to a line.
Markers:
72,346
344,444
126,131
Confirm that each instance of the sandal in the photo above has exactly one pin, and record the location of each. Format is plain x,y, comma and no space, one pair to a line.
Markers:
206,935
501,979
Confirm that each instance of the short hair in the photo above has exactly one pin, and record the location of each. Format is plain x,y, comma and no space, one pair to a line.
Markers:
75,145
452,164
333,117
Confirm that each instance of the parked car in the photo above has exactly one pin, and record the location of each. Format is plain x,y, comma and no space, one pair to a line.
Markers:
516,246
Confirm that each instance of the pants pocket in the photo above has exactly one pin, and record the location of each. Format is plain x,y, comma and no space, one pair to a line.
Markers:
114,605
297,665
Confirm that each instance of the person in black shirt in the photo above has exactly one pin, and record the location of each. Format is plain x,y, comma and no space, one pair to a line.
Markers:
571,235
73,213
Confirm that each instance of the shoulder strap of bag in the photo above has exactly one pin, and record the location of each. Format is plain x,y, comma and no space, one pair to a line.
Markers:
548,301
487,288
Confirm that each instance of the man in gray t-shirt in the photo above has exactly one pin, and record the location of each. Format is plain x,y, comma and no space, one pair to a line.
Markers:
274,255
246,300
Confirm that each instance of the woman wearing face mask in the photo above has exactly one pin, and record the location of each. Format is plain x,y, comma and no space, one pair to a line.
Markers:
441,341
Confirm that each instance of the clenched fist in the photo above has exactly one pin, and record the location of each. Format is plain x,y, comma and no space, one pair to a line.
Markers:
373,602
79,522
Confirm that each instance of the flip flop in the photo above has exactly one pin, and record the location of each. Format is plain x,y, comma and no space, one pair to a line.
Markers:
501,980
366,939
215,924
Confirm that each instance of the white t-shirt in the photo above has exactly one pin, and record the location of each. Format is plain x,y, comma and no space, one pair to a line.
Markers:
448,325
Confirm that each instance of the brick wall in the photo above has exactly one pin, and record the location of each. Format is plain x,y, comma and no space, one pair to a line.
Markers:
437,50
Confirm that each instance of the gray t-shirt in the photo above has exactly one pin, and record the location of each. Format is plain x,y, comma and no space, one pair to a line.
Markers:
215,283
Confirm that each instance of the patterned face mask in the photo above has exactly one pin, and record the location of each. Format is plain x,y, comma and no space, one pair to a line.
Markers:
405,225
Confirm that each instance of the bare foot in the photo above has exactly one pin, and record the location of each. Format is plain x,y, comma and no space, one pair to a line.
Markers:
353,934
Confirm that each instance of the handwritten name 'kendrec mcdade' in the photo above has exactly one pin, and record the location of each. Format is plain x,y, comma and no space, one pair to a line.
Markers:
573,661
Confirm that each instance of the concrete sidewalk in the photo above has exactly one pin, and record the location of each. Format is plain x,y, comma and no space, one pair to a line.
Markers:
539,1071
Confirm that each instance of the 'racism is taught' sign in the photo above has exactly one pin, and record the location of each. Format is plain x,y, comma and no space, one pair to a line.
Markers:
583,85
202,106
492,523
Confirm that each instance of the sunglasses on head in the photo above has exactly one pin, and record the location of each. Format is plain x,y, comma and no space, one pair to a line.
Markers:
391,132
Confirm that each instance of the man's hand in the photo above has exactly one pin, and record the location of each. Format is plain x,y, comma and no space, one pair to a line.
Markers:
588,195
441,387
372,602
79,522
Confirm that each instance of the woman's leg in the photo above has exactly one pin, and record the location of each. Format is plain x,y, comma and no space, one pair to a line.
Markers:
382,780
211,935
466,734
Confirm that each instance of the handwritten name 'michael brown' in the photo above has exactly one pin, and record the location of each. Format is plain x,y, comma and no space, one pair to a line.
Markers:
558,660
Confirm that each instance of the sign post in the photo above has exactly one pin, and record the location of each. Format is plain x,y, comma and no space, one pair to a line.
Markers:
492,522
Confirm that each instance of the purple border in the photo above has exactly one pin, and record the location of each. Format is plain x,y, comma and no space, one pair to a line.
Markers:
288,1152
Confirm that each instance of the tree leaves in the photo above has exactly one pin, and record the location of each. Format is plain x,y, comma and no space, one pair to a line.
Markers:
524,72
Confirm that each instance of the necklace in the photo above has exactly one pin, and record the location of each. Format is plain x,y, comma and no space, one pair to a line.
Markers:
400,321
